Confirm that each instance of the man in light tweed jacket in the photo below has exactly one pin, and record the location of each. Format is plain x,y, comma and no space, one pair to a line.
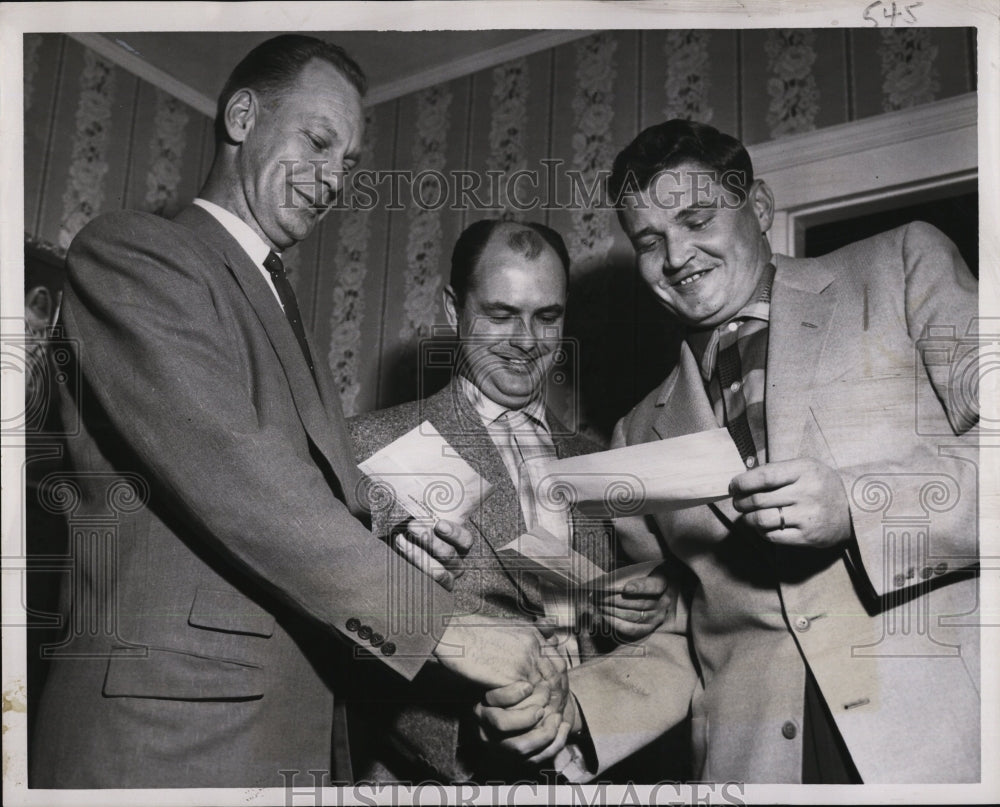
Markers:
832,614
506,300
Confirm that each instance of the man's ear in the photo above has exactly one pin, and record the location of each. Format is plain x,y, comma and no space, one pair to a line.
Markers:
763,204
240,114
450,306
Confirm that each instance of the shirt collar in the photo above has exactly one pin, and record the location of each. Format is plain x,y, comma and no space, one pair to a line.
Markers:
253,245
490,411
705,344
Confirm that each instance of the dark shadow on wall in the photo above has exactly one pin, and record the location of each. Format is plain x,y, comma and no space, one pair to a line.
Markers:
418,370
627,343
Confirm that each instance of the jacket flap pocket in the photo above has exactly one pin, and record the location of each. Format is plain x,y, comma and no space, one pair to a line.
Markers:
229,611
181,676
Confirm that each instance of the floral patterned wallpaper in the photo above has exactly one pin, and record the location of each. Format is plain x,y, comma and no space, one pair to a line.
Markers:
369,281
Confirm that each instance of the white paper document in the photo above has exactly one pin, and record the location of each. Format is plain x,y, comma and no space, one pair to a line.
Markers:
662,475
426,476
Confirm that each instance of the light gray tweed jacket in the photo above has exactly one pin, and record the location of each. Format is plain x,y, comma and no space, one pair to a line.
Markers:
422,730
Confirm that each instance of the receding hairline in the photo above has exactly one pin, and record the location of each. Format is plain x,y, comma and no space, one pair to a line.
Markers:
286,88
521,241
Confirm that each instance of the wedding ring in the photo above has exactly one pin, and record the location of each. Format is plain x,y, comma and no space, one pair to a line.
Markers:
781,515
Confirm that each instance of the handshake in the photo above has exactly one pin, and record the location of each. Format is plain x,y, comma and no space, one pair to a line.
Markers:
528,707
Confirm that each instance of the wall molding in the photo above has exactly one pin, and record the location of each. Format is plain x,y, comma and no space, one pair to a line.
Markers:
889,128
888,156
110,49
377,94
533,43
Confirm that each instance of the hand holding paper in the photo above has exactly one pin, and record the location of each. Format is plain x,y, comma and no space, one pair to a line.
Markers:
426,477
437,550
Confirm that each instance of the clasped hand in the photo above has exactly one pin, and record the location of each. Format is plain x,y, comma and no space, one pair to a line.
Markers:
520,667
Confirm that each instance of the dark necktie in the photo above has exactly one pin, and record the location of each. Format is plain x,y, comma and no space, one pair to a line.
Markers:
276,269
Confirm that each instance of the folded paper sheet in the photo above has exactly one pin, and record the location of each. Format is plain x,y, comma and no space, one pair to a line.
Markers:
663,475
545,556
426,476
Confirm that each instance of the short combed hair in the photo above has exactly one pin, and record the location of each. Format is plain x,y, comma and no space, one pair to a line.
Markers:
525,238
274,65
670,144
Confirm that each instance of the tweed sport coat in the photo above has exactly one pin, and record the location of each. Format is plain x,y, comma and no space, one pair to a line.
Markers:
870,352
215,487
422,730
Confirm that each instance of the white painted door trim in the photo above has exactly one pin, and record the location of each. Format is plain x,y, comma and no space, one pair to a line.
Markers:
918,152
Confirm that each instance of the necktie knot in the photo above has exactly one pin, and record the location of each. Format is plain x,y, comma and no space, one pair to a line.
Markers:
274,265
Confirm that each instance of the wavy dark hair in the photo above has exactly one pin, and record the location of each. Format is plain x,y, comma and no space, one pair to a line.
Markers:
670,144
275,64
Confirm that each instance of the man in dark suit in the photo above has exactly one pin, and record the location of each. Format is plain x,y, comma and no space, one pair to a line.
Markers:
506,300
832,612
201,651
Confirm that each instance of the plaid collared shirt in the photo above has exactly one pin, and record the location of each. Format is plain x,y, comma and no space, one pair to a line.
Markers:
734,398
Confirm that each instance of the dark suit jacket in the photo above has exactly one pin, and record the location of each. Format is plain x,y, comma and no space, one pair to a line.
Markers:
870,353
218,482
422,730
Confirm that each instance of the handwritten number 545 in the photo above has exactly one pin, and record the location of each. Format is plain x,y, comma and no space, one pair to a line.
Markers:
891,12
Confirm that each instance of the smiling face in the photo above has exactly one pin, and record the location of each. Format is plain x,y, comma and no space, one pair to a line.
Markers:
510,320
295,149
701,255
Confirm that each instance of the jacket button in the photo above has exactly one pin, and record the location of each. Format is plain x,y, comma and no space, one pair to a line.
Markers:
789,730
926,572
941,568
364,632
801,623
899,579
377,639
353,624
388,649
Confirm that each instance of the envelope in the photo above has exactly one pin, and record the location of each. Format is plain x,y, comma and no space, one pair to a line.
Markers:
662,475
425,476
542,554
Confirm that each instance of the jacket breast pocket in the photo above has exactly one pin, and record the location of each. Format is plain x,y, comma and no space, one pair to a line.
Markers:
230,612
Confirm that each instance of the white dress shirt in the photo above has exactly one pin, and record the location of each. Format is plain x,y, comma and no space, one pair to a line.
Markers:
253,245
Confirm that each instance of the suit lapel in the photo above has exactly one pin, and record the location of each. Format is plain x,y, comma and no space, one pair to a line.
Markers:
453,416
802,305
684,408
322,418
